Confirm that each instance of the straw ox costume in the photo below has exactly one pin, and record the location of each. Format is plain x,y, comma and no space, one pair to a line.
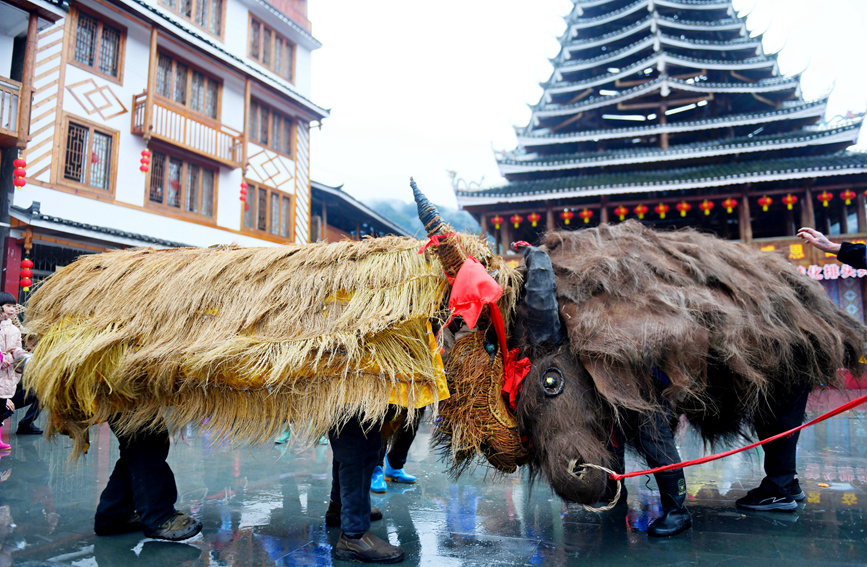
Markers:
596,327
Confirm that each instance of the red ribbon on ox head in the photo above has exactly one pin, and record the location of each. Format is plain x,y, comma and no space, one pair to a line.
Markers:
472,289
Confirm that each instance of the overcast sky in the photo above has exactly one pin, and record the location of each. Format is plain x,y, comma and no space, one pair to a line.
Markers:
419,87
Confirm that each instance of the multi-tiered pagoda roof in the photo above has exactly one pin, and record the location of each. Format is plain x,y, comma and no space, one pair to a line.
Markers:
670,101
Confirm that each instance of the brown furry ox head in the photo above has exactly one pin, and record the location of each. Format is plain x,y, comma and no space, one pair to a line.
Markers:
728,326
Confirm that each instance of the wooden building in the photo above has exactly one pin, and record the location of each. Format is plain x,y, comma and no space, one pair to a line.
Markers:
670,112
157,123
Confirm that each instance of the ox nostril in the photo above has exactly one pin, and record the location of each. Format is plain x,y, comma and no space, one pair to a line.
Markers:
579,472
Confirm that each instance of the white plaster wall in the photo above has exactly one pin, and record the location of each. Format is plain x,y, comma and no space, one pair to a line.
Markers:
237,20
303,71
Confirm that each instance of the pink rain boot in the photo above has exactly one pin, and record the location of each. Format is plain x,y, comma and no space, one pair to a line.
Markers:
4,426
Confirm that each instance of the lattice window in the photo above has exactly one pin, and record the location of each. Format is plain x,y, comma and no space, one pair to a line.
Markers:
269,127
271,49
187,86
98,45
207,14
89,156
179,184
268,210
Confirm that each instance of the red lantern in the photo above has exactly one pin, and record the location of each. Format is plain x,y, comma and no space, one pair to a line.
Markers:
586,214
19,173
26,273
621,212
661,209
497,220
516,219
640,210
765,202
824,196
566,216
847,196
706,206
534,218
730,205
683,207
244,191
145,160
789,200
26,264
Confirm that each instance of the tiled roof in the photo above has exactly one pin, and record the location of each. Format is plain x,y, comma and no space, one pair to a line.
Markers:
788,110
32,213
844,133
841,163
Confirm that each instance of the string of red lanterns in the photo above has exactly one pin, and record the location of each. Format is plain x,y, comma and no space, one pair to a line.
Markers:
145,160
26,274
19,173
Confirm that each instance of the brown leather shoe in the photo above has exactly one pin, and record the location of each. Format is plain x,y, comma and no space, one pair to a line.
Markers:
368,549
178,527
332,515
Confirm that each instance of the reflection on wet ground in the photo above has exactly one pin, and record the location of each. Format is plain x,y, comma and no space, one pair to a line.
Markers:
265,507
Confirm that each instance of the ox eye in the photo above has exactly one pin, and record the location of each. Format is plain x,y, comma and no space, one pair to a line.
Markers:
552,381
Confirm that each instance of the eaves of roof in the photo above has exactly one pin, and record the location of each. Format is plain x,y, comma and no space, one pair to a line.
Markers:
845,133
786,112
190,34
693,178
350,201
33,217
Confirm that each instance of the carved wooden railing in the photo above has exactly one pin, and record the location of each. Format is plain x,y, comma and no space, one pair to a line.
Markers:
184,130
9,99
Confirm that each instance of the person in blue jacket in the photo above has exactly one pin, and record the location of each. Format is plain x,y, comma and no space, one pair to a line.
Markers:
847,252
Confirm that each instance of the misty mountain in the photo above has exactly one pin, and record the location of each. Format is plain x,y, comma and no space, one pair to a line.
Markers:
405,215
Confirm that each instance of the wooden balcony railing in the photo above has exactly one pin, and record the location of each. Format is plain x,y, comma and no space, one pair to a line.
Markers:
9,95
176,127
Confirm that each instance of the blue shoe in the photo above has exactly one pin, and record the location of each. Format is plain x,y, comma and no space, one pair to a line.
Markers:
377,482
284,437
397,475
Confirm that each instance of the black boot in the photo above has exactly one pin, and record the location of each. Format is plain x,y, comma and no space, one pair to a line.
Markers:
672,493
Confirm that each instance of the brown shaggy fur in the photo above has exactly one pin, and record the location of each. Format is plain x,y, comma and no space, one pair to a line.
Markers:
730,325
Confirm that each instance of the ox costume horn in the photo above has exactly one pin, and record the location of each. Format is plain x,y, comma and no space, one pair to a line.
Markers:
617,322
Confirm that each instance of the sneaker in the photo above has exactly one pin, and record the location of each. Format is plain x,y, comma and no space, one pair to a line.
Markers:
367,549
131,523
283,437
28,430
332,515
761,499
178,527
397,475
377,481
795,491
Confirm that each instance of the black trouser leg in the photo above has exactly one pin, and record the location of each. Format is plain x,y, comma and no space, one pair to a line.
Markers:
22,398
402,441
355,456
143,477
780,455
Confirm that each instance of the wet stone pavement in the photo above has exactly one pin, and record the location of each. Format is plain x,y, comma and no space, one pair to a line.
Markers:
262,506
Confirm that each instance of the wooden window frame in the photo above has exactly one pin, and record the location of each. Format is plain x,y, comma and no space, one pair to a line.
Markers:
275,35
253,188
78,186
187,159
192,17
271,112
101,21
186,108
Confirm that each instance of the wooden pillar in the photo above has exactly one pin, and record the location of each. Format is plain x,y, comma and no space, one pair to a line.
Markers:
860,203
504,237
844,218
663,120
323,226
746,227
550,223
27,82
603,210
483,225
152,77
808,215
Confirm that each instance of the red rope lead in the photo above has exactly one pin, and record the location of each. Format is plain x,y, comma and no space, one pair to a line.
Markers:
675,466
